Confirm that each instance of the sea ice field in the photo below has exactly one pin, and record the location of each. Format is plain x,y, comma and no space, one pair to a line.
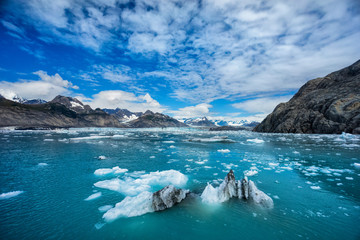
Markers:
95,184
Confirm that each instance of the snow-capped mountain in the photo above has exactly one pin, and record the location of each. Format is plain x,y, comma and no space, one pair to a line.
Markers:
203,121
123,115
10,95
199,122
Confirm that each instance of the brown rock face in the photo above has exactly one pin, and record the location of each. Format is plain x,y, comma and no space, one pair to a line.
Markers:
328,105
54,114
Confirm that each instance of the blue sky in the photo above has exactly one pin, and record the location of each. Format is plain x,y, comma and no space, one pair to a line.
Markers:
230,59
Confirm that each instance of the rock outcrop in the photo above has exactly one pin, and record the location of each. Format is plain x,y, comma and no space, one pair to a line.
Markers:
54,114
229,128
167,197
150,120
230,188
324,105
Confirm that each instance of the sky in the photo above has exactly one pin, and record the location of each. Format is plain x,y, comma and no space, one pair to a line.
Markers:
224,59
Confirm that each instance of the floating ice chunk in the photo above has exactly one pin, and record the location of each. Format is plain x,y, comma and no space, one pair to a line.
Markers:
315,187
229,166
172,146
10,194
224,139
296,152
131,207
168,142
349,178
131,187
201,162
255,140
106,171
339,184
48,140
101,157
42,164
105,208
128,187
276,197
93,196
223,150
273,164
250,173
357,165
152,157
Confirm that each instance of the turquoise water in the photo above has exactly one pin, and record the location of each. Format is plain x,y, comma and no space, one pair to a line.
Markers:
313,179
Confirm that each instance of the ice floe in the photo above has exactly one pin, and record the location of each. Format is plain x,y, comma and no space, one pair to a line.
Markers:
250,173
255,140
223,139
357,165
101,157
135,184
105,208
42,164
131,207
223,150
146,202
93,196
106,171
10,194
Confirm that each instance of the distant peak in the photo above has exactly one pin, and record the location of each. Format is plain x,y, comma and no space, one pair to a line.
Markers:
148,112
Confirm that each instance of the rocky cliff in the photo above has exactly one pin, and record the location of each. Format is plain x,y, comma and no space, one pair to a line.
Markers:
324,105
60,112
150,119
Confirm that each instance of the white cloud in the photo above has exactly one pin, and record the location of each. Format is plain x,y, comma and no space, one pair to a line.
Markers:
216,49
121,99
199,110
47,87
261,105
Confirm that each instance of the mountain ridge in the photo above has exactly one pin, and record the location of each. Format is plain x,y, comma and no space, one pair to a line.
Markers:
330,104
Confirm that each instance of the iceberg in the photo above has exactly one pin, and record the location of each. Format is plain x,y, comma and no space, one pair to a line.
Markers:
146,202
229,188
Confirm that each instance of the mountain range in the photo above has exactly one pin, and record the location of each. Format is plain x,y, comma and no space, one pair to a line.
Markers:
66,112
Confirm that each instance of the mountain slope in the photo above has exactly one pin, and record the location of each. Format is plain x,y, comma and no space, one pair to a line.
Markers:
52,114
150,119
324,105
123,115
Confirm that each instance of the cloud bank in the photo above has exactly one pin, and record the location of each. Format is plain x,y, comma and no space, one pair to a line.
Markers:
202,50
